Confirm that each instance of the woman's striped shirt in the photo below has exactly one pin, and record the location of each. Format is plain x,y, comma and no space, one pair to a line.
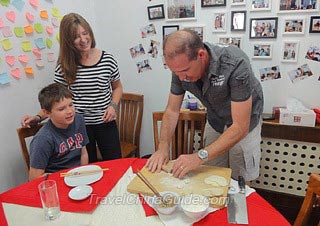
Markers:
92,91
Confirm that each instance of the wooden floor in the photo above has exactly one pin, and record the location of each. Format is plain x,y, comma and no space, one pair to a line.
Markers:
289,205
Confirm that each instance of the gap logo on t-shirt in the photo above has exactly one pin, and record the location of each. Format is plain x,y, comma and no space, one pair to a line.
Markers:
71,144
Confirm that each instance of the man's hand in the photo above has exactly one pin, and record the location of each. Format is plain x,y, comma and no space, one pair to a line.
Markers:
157,160
186,163
29,120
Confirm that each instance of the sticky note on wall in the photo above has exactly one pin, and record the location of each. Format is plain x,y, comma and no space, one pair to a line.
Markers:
6,44
26,46
4,78
18,31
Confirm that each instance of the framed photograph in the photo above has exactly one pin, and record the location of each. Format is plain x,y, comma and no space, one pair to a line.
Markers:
166,30
264,27
314,24
181,10
262,51
231,40
293,26
213,3
269,73
220,21
260,5
238,20
155,12
238,2
290,50
197,28
286,6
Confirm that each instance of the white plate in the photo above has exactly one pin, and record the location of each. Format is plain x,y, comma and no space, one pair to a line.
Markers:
80,192
78,180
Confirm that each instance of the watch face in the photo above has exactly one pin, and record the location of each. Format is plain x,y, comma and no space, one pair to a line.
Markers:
203,154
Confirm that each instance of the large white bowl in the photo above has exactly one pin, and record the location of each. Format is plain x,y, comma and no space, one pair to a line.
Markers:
166,210
195,206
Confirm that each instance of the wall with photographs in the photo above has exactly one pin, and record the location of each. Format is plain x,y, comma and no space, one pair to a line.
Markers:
278,54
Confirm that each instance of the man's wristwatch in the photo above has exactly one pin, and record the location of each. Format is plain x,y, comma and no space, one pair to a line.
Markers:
203,154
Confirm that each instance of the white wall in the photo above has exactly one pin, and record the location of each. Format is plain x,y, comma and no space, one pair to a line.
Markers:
116,25
19,97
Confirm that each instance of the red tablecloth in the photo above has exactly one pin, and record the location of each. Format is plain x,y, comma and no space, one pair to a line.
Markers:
260,212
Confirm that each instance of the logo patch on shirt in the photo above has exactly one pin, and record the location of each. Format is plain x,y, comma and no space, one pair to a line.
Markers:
217,80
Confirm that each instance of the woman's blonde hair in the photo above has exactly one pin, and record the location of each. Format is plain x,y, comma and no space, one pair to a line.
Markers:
69,56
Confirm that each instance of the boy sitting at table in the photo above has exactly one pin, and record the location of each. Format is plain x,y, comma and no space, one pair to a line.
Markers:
61,142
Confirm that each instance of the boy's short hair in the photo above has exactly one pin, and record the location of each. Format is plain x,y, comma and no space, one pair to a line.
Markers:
51,94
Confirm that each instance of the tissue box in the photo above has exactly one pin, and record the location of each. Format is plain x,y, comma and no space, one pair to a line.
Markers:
305,118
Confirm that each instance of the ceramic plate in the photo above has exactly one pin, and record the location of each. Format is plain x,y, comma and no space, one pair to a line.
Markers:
78,180
80,192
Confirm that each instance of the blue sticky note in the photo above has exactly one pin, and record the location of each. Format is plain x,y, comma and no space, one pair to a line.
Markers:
4,78
18,4
40,43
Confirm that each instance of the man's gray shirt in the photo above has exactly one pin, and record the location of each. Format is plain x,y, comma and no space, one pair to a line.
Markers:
229,78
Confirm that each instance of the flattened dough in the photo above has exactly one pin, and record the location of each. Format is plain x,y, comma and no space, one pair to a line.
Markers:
212,192
216,181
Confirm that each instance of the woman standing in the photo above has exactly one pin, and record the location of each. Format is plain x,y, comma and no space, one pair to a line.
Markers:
93,77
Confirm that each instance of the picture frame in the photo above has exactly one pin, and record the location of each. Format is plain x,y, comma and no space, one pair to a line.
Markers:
314,24
213,3
264,27
156,12
290,51
260,5
220,22
231,40
197,28
168,29
179,10
238,2
287,6
293,26
238,20
262,51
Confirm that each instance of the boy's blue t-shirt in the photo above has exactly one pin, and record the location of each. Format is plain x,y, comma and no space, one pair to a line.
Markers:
54,149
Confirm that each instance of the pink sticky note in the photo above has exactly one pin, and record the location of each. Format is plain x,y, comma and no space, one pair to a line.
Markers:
34,3
1,22
6,31
39,63
10,60
16,73
49,30
55,21
50,57
37,53
11,16
23,58
30,17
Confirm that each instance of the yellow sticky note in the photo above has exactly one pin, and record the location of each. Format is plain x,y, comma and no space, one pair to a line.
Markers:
49,43
55,12
38,28
26,46
58,37
18,31
29,70
44,14
6,44
5,2
28,29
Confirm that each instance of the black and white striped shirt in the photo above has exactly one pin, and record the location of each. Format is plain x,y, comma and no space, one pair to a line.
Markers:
92,91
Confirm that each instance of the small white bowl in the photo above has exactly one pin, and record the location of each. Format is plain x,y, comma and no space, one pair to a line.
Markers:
158,205
80,192
195,206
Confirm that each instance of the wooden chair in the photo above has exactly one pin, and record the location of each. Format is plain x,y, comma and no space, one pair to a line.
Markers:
184,136
129,119
313,189
24,133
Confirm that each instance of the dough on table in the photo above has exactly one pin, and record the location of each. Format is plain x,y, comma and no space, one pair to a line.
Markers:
216,181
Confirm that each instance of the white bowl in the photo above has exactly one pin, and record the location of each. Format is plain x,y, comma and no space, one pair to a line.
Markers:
195,206
158,205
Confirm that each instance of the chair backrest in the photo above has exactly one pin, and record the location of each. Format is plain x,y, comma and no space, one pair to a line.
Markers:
129,118
313,189
24,133
190,125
